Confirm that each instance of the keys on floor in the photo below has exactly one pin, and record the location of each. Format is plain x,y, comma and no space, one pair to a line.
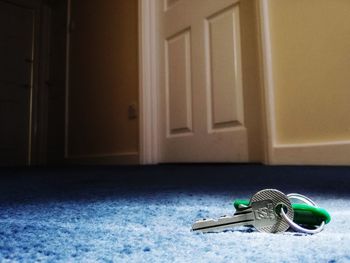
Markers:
306,213
263,213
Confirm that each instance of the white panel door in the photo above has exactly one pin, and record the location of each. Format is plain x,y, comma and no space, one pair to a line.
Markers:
16,73
201,96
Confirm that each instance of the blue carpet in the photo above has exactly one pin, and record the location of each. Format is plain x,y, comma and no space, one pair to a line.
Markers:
135,214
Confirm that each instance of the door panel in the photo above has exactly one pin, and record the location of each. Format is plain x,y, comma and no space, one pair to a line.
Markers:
224,70
202,91
16,73
178,84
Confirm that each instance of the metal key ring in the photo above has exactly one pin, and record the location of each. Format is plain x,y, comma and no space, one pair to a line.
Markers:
302,198
295,226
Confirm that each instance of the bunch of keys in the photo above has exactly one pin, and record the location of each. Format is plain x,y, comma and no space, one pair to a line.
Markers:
270,211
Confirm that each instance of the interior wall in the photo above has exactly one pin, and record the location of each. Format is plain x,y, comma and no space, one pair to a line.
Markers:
103,79
310,44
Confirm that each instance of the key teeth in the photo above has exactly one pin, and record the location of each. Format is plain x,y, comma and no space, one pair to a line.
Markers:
204,220
207,220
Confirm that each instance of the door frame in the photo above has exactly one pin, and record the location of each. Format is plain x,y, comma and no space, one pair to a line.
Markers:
149,86
41,88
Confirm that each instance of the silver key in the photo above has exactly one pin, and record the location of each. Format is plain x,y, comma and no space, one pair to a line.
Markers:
262,213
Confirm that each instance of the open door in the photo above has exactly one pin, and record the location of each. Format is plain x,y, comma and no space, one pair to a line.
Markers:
210,107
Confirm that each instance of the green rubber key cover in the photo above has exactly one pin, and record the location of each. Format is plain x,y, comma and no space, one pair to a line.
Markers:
303,214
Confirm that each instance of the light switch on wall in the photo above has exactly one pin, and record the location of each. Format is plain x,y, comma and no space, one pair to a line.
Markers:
132,111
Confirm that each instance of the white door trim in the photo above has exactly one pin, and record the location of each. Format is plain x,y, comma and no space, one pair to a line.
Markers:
268,83
148,82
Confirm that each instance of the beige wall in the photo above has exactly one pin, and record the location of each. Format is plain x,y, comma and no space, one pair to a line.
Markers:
103,78
311,70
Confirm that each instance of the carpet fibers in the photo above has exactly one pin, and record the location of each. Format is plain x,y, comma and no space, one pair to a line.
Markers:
135,214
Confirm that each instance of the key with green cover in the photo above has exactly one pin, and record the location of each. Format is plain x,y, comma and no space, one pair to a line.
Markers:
303,214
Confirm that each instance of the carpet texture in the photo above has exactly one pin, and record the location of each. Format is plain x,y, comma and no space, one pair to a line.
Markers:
135,214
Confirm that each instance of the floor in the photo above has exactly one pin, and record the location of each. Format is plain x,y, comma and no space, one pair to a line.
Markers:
144,214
